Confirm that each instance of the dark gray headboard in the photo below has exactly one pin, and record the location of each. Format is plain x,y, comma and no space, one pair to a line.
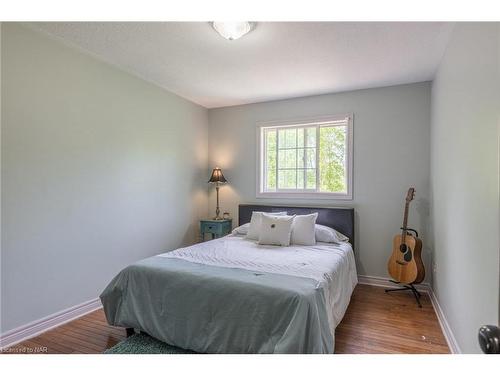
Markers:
341,219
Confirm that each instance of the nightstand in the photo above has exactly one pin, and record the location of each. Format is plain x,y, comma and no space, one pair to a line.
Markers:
217,228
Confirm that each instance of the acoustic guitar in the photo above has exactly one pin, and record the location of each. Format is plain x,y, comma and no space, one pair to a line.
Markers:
405,264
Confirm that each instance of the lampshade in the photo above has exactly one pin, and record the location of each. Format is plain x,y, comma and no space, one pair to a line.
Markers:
217,176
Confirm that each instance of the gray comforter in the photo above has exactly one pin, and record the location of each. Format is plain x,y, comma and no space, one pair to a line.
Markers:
211,309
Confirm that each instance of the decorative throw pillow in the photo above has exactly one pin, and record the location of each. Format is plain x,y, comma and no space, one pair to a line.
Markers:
327,234
242,229
255,221
303,231
275,230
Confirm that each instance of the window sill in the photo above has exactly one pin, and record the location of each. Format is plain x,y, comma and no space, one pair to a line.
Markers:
311,196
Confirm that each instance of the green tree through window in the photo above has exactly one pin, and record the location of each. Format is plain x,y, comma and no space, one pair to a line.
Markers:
332,159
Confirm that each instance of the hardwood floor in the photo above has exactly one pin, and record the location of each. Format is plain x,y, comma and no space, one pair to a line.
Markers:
379,322
88,334
375,322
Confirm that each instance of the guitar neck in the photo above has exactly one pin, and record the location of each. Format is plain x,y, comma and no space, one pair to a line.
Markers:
405,220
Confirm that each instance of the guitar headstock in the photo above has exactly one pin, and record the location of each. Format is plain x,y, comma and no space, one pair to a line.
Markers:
410,195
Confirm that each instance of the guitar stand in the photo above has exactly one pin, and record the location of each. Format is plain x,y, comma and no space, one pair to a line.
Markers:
406,287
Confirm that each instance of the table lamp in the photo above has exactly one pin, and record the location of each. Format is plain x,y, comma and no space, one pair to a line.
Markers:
217,178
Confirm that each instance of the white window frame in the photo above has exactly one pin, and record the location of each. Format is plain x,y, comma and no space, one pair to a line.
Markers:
304,194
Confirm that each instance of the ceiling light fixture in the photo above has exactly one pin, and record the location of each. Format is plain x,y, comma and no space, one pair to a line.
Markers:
233,30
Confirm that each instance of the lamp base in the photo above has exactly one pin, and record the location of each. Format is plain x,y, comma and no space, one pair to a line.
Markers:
217,209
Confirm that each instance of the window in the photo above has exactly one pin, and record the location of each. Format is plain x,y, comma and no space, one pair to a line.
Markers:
306,159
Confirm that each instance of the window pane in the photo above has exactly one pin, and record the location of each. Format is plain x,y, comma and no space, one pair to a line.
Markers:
300,179
271,159
300,158
310,178
287,179
300,137
310,137
271,140
291,138
287,158
332,156
282,138
310,158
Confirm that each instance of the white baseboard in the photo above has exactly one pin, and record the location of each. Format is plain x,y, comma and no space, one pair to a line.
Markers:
445,327
37,327
424,288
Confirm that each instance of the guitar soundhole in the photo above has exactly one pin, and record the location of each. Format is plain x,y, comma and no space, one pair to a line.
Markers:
406,252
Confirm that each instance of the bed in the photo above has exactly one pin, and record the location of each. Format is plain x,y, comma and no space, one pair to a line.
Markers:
231,295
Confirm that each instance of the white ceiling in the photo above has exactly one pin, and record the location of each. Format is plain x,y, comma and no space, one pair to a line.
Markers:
277,60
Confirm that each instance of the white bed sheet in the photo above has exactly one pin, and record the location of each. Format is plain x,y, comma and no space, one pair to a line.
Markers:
331,265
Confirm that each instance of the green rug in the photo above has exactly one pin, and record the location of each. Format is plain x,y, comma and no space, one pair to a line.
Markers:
141,343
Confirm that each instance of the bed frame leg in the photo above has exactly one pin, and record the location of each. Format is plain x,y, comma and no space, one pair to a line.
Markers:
130,331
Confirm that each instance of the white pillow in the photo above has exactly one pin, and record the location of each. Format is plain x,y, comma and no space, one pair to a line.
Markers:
255,221
242,229
275,230
303,230
327,234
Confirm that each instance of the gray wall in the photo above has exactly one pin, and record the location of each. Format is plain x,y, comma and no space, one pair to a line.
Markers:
464,175
99,169
391,153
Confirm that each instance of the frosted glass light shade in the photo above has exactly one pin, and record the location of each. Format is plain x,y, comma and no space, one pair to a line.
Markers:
232,30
